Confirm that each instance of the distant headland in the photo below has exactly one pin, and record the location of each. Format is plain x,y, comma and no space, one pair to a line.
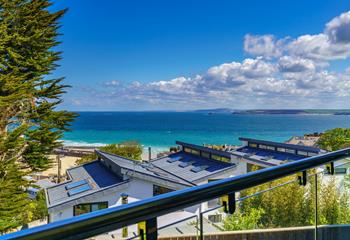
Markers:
277,111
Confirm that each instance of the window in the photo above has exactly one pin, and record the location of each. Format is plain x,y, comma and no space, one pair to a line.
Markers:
192,151
157,190
253,145
188,150
262,146
311,154
303,153
270,148
220,158
89,207
281,149
216,157
195,152
225,159
340,170
292,151
252,167
205,154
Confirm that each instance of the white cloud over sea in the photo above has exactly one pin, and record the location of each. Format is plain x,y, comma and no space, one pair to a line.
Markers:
278,73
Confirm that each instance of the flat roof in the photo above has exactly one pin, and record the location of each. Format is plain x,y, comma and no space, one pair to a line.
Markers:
95,174
283,145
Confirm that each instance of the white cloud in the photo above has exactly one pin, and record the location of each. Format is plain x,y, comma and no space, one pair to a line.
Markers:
295,64
338,29
281,73
263,45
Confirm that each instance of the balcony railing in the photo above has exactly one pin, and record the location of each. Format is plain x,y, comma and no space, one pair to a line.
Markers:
147,210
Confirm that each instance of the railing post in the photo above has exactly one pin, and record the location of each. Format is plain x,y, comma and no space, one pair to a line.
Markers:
229,203
148,229
201,237
302,177
330,168
316,209
125,200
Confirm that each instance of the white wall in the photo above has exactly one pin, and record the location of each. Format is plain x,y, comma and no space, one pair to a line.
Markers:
137,190
68,212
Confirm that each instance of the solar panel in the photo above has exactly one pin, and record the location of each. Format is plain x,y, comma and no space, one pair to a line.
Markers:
76,184
175,159
184,164
79,190
199,169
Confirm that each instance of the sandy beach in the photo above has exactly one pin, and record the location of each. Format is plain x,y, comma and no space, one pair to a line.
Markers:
68,161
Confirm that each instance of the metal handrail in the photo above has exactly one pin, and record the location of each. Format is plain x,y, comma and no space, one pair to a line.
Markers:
95,223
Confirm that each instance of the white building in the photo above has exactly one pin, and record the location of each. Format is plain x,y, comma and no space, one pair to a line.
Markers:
100,184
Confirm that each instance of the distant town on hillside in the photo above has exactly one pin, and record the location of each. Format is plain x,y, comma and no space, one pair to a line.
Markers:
277,111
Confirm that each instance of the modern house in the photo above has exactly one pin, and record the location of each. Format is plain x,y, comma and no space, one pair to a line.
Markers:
107,181
262,154
101,183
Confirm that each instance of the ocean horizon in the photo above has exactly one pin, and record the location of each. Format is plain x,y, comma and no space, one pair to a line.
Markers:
160,130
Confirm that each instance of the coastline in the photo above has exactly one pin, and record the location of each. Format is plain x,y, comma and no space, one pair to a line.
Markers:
70,161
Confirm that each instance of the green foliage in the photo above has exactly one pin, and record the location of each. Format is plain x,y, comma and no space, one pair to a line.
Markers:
291,205
335,139
284,206
14,203
131,150
40,209
30,123
244,221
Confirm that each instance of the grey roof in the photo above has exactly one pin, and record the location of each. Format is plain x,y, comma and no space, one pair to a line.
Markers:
143,168
209,167
255,159
164,168
95,173
283,145
99,177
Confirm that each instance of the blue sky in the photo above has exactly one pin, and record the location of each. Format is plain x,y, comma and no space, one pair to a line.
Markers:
180,55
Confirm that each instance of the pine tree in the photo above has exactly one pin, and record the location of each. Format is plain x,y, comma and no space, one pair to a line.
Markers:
30,124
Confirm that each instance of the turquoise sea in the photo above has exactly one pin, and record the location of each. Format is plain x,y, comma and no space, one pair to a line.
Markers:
161,129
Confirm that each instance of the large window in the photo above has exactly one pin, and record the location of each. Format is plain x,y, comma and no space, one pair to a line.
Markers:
220,158
281,149
303,153
288,150
188,150
157,190
253,145
271,148
89,207
191,150
205,154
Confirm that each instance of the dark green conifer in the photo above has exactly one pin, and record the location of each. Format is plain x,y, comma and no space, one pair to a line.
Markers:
30,124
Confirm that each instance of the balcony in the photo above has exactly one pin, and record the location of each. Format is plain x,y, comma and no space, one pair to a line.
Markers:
140,220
